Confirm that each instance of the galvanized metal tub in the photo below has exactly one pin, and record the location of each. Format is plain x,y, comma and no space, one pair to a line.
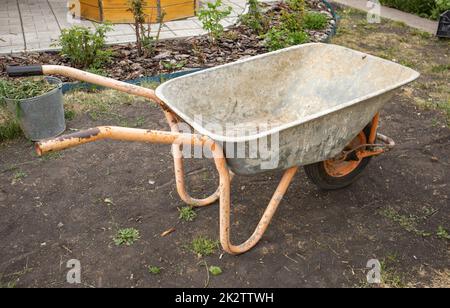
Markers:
316,97
41,117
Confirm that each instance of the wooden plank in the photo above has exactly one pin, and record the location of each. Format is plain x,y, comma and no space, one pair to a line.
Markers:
173,12
116,11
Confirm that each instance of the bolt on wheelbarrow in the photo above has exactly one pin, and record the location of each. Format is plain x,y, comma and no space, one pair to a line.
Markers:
316,104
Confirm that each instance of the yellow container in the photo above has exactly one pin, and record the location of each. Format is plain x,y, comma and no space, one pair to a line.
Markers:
117,11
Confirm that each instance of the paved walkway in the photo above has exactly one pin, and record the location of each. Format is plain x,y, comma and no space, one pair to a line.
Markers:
390,13
31,25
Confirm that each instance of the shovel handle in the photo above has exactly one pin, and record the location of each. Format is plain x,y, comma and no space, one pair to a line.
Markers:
24,71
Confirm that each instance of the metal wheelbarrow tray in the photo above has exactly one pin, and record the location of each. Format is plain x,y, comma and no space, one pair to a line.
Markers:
317,97
316,104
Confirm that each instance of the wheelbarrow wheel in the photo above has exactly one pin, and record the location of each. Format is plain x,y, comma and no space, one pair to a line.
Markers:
332,175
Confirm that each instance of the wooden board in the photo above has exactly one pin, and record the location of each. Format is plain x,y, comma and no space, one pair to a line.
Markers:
117,11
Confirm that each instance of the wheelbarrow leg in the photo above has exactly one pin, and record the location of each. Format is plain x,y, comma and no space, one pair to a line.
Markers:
179,170
225,180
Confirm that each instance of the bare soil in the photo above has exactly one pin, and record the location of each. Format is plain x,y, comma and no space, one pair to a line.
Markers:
53,209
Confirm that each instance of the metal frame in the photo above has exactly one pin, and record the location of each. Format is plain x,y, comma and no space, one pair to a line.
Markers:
177,139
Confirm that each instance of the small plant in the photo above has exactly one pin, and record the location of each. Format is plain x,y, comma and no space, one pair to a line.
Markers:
315,21
298,6
291,21
254,19
145,42
442,233
173,66
154,270
215,270
204,246
187,213
278,38
211,16
126,236
85,48
18,176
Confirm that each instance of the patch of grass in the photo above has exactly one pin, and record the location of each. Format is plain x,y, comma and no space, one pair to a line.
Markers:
127,236
442,233
98,104
19,175
399,24
154,270
8,285
149,84
422,34
204,246
390,276
9,126
407,62
51,156
187,213
440,68
315,21
139,122
215,270
407,222
69,114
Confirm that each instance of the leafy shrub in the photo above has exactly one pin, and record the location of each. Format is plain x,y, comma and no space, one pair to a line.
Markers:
210,17
85,48
254,19
290,31
424,8
278,38
315,21
292,21
145,42
441,7
298,6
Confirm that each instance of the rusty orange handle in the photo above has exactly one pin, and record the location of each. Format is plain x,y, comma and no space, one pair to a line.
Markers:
120,133
100,80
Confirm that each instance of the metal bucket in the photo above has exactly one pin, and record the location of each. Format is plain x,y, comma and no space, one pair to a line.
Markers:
41,117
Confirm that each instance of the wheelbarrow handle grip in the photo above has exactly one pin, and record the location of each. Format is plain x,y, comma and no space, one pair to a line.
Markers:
24,71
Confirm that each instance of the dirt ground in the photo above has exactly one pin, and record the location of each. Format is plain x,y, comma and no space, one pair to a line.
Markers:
69,205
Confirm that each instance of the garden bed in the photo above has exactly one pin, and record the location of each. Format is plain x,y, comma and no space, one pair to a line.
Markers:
237,42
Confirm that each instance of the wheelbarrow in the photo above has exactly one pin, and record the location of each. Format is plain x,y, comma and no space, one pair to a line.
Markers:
316,104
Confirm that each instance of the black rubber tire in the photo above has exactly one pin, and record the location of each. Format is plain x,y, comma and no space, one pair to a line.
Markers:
317,174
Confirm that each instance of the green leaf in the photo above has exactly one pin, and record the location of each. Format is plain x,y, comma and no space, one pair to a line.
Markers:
215,270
